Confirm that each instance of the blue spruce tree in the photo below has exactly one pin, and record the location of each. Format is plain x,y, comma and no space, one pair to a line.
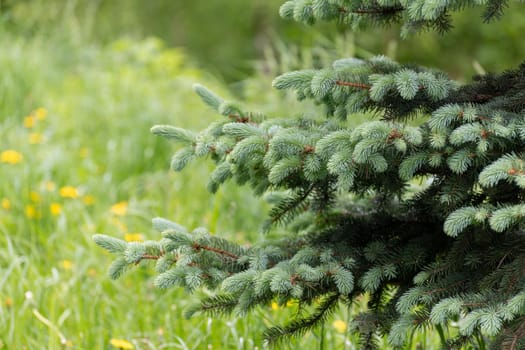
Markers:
453,251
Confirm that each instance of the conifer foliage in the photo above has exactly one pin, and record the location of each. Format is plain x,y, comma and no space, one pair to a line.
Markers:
449,250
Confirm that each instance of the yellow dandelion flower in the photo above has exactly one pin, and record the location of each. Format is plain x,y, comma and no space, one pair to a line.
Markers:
11,157
40,113
68,192
35,197
8,302
120,208
133,237
35,138
84,152
6,204
291,303
66,264
121,344
274,306
88,199
340,326
55,209
29,122
31,211
50,186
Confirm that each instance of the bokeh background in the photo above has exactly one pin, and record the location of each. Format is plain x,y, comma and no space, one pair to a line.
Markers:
82,82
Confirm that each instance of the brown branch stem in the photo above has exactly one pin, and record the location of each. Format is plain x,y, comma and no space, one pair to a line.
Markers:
197,246
353,84
151,257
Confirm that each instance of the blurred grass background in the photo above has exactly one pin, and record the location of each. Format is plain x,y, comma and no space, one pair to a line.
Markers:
81,84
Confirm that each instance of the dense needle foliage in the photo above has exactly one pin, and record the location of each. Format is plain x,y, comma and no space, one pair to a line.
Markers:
425,220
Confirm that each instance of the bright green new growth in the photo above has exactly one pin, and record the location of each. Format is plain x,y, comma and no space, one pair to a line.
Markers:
452,250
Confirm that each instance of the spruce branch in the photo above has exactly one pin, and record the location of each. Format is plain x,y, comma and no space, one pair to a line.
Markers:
514,336
217,305
300,326
287,208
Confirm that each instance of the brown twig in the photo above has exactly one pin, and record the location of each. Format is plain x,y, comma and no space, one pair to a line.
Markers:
151,257
394,134
239,118
353,84
197,246
309,149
